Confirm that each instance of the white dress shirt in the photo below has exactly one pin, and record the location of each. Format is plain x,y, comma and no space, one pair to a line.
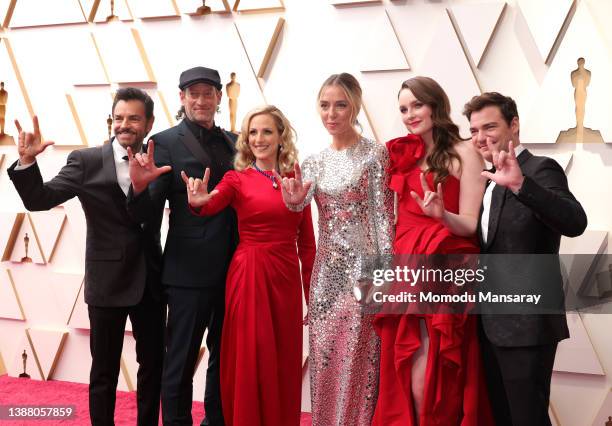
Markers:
486,201
122,167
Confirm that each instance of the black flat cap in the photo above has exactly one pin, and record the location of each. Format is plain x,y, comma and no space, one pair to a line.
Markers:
200,75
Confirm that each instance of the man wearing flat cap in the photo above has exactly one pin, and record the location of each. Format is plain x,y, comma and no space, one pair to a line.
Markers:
198,249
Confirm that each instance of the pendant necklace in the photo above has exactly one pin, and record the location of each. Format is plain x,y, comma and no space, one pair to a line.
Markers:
271,177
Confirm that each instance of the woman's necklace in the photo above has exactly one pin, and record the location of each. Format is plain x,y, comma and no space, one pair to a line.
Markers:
271,177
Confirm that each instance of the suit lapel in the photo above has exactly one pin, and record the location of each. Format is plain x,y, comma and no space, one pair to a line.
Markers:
498,199
193,145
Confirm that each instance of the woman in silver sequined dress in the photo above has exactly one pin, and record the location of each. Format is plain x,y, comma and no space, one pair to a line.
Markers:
348,183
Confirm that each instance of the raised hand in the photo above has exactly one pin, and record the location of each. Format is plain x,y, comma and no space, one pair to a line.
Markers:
142,168
432,202
29,145
294,190
507,170
197,189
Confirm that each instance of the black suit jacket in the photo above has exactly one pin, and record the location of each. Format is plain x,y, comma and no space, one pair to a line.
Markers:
122,257
531,222
198,249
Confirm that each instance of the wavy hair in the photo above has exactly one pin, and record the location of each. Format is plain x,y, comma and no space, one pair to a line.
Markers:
287,154
445,132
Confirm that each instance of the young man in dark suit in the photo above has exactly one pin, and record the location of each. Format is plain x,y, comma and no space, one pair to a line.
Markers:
198,249
527,206
122,257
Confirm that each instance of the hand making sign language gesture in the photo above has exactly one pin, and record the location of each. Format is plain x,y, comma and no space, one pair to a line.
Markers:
507,170
432,202
142,168
29,145
197,189
293,189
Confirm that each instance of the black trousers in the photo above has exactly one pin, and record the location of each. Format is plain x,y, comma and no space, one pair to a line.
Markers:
518,380
190,312
106,343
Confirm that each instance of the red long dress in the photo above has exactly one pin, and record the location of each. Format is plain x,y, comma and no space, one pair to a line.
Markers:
261,342
455,390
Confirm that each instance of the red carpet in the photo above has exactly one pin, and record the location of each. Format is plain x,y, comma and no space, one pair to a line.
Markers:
24,391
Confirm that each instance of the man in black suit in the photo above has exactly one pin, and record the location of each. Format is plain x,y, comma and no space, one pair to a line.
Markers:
527,206
122,257
198,249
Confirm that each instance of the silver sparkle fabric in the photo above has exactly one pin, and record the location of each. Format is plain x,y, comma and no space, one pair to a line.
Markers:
355,220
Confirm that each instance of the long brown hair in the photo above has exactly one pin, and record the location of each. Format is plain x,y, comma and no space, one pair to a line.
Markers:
445,132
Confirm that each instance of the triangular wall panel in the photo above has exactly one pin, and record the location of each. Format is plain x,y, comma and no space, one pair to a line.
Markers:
65,288
10,224
27,245
545,19
48,226
260,36
31,365
130,63
10,302
47,345
79,317
381,50
384,116
477,23
446,63
31,13
577,354
48,90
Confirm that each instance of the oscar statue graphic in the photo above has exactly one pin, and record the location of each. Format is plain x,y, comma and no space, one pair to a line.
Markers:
233,91
24,357
580,78
26,242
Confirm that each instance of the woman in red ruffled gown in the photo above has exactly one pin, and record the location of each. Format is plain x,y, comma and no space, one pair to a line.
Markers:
430,371
261,344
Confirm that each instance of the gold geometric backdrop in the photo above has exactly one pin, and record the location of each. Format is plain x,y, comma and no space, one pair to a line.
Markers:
63,60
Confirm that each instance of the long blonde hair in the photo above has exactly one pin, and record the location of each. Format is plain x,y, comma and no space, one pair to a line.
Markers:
287,154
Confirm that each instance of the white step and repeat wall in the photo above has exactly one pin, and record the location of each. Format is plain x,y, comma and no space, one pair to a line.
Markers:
61,60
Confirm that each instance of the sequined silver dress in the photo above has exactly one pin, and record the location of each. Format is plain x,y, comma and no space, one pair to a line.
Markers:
355,220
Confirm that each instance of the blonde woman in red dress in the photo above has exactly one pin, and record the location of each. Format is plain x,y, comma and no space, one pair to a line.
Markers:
261,344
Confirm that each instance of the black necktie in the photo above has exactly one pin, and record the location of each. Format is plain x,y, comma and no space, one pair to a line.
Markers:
491,170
